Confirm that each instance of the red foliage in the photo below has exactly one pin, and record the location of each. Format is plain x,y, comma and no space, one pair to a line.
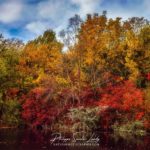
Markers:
117,101
123,100
37,110
148,76
139,115
12,92
124,96
89,96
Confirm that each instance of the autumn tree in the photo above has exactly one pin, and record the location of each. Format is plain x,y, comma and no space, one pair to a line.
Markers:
72,58
110,45
9,55
137,53
40,58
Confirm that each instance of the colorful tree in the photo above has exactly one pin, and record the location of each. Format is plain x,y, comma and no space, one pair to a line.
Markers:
40,58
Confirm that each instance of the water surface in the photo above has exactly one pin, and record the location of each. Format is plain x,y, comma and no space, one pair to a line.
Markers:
17,139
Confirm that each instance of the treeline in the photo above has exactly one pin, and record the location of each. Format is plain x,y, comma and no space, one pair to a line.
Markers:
102,80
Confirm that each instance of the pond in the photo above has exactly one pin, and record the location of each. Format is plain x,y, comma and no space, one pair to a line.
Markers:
21,139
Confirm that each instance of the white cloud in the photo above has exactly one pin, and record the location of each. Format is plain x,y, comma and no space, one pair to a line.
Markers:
86,6
59,11
48,9
131,9
37,27
52,14
10,11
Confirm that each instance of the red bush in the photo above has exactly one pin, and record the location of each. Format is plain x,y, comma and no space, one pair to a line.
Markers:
124,99
38,110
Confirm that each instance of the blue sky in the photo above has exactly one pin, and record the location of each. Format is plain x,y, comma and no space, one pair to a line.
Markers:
26,19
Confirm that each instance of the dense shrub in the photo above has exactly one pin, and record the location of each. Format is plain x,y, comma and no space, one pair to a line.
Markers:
11,112
131,127
123,100
39,108
84,119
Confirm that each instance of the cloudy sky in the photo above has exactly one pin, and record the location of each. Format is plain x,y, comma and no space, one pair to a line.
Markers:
26,19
